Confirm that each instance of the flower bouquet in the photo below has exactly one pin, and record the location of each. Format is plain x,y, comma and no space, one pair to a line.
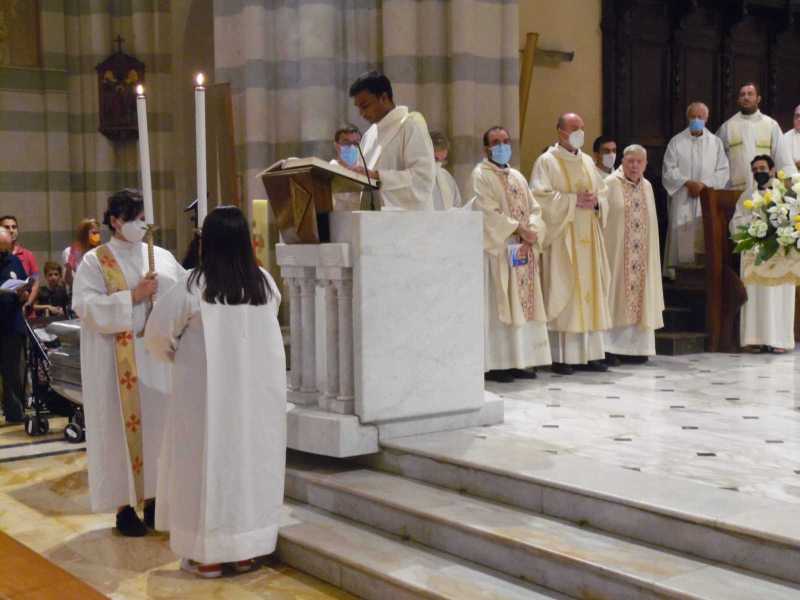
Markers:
770,243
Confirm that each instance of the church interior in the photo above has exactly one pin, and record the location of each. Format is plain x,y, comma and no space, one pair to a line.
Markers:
416,465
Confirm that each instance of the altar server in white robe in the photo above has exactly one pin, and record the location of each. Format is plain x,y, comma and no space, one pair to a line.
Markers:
767,318
749,133
791,139
221,474
575,274
397,147
346,141
109,319
695,159
445,189
604,151
634,254
515,321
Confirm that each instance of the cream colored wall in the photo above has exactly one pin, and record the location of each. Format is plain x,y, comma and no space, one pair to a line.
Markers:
560,87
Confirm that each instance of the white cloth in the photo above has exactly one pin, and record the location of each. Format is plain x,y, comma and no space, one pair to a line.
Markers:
791,141
65,255
399,147
577,348
445,190
746,136
689,158
102,317
601,173
631,340
221,472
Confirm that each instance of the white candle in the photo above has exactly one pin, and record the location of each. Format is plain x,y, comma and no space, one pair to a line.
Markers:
200,129
144,155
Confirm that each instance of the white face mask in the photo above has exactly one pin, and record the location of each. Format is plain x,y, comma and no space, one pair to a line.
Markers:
134,231
609,160
576,139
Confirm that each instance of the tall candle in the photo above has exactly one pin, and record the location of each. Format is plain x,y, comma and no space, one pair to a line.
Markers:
200,130
144,155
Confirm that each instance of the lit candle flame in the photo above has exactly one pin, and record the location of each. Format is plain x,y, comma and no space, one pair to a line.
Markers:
140,90
200,79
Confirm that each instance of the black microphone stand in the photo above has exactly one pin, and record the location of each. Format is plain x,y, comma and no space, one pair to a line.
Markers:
367,203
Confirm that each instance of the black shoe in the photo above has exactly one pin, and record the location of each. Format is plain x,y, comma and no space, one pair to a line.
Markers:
150,513
523,373
612,360
635,360
129,524
596,366
562,369
498,376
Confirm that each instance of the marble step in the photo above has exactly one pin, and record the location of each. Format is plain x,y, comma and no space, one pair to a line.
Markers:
378,566
744,531
560,556
676,343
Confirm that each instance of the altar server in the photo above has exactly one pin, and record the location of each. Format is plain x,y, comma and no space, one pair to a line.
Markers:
767,318
604,151
445,189
635,297
397,146
695,159
791,138
515,321
750,132
575,267
125,390
220,485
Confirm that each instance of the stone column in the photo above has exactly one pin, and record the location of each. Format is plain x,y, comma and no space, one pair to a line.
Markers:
308,284
344,292
296,344
331,344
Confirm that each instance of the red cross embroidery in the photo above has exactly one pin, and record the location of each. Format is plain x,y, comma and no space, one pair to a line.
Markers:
124,337
128,380
133,423
136,465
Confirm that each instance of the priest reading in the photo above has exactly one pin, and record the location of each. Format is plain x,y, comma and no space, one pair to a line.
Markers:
631,233
220,485
125,390
515,321
575,267
397,147
767,318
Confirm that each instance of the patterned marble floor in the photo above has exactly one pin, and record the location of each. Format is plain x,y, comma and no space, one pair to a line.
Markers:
732,421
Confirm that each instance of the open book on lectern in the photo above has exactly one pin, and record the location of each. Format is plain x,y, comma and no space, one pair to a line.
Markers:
342,179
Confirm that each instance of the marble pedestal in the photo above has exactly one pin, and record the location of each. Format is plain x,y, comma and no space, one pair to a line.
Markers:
386,326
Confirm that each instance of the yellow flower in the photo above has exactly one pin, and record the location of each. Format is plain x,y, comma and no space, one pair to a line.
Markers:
796,218
797,226
767,197
781,174
748,204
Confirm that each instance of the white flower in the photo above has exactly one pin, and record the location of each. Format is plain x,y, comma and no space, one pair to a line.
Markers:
796,186
757,229
786,240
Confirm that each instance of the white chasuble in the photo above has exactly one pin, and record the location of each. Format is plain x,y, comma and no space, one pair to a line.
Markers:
445,190
636,297
103,316
575,275
221,473
515,323
791,141
689,158
399,147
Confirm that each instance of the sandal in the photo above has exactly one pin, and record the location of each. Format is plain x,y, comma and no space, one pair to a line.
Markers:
205,571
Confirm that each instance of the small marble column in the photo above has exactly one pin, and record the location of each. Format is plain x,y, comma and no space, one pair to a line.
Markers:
308,331
346,396
296,344
331,344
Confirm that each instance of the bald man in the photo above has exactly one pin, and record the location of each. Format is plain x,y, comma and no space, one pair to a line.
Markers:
575,267
791,138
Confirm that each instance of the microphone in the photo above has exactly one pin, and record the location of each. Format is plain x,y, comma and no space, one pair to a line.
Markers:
371,204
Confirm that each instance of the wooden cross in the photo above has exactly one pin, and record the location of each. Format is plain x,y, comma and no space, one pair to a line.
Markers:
118,41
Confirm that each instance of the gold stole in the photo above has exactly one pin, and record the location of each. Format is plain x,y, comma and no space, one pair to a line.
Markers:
127,374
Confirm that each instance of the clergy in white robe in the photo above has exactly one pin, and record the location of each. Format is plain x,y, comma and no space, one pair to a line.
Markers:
575,274
397,146
103,316
221,472
634,254
791,139
445,189
515,321
767,318
749,133
604,152
695,159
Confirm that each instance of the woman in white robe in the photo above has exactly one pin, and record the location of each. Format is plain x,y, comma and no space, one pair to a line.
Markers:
223,459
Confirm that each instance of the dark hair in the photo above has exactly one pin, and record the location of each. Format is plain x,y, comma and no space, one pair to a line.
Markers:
12,217
601,139
373,82
52,266
227,261
125,204
754,84
766,158
439,140
344,130
490,130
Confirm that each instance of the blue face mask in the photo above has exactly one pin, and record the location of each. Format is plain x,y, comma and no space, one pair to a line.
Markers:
696,125
501,153
349,154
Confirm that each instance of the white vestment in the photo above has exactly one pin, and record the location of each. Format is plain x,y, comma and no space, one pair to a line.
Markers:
767,318
745,137
399,147
102,317
445,190
221,472
689,158
636,297
345,201
515,321
791,141
601,173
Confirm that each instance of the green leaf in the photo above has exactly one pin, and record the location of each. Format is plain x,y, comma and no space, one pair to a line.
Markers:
768,249
744,246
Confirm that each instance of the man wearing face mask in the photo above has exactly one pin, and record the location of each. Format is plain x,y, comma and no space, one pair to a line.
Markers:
575,268
605,155
110,295
445,188
12,331
767,318
749,133
515,321
345,143
791,138
695,159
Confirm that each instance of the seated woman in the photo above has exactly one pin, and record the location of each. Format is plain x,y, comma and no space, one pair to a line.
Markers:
220,486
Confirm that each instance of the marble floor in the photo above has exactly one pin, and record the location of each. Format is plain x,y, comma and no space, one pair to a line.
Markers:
732,421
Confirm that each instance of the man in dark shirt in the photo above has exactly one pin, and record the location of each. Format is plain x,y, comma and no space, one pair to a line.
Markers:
12,331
